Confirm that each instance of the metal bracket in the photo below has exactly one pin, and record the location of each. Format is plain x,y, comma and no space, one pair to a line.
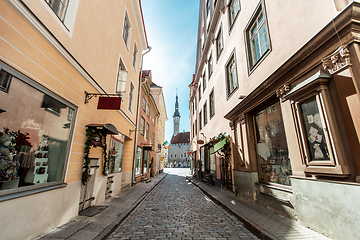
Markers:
89,96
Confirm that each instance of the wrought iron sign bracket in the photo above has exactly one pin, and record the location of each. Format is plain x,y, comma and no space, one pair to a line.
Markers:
89,96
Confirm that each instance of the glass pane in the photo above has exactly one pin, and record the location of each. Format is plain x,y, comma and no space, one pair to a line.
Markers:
314,130
5,79
116,150
34,136
138,161
273,155
146,161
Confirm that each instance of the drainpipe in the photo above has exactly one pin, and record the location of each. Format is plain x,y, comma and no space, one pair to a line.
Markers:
137,116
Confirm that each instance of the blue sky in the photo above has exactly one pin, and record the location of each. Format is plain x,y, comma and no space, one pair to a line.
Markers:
171,28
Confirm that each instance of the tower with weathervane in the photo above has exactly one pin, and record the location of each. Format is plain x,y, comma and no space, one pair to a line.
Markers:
179,150
176,117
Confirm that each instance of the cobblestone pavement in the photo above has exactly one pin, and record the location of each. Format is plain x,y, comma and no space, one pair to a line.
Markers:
176,209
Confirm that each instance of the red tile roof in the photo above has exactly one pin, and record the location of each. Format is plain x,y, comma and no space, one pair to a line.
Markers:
183,137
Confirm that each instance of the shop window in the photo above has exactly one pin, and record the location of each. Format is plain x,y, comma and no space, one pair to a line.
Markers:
272,150
138,163
5,79
146,161
257,37
116,151
34,142
59,7
317,127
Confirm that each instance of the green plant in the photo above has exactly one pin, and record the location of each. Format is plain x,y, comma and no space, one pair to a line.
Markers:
88,143
105,157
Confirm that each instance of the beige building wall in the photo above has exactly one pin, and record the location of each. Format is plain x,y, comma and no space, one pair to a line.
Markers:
158,96
68,60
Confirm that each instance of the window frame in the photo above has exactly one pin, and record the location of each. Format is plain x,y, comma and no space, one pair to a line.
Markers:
147,130
34,189
131,97
144,104
8,81
210,66
200,120
142,126
148,110
219,39
230,92
135,52
199,92
56,12
212,103
205,113
260,9
204,81
232,18
318,86
126,31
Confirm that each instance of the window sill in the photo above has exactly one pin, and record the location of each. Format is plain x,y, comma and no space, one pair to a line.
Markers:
29,190
333,171
232,93
252,69
276,186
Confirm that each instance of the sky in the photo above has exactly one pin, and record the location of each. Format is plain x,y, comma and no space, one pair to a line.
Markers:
171,28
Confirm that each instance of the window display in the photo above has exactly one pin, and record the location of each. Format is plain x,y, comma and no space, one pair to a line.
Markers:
146,160
273,155
116,150
314,131
138,161
35,130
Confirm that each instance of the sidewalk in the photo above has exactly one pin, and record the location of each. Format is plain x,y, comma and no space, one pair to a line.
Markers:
262,222
102,224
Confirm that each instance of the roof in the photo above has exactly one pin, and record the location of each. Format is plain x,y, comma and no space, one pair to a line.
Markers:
182,137
146,72
154,85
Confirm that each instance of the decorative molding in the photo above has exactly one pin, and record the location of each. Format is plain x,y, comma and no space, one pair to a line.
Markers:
282,91
232,125
242,119
337,61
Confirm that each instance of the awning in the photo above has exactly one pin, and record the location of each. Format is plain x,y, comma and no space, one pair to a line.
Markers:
220,144
147,147
107,128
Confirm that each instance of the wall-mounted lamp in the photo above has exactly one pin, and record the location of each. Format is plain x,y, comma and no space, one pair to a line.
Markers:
242,96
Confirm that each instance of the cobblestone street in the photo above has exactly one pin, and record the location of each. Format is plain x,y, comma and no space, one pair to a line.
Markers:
176,209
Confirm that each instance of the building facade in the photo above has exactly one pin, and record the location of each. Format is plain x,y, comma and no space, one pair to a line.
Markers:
51,53
157,93
290,105
145,162
179,149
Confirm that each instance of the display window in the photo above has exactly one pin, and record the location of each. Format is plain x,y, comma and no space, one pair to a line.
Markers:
138,162
272,150
116,151
35,132
313,127
146,161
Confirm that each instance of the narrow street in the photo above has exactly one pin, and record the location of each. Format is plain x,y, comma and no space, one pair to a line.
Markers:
176,209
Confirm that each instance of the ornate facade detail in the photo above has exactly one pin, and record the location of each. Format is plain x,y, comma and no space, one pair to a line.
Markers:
337,61
242,119
232,125
282,91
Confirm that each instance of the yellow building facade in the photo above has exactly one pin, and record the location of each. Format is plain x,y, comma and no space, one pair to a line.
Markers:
51,53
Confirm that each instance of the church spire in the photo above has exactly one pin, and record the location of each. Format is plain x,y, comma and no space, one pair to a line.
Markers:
176,116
